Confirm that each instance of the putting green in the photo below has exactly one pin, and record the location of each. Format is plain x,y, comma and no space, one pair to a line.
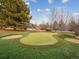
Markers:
40,38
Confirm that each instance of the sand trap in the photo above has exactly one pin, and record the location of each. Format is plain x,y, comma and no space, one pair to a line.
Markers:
12,37
72,40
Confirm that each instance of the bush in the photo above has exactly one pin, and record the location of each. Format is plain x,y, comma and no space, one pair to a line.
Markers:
48,29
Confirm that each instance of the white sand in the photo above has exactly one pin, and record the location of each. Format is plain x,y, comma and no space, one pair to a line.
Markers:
12,37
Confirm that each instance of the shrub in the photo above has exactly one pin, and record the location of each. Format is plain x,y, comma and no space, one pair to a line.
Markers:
48,29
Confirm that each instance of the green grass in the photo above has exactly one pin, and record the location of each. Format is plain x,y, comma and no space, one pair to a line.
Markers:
13,49
37,39
63,35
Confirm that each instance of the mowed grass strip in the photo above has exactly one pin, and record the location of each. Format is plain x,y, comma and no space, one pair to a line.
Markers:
42,38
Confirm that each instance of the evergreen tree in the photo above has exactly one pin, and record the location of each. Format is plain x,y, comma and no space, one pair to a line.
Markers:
14,13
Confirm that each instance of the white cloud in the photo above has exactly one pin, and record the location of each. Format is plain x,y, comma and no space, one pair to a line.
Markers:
27,3
64,1
47,9
38,21
50,1
31,12
38,10
76,15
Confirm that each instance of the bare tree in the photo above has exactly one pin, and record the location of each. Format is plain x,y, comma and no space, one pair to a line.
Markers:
74,26
45,26
71,25
61,25
59,15
76,30
55,25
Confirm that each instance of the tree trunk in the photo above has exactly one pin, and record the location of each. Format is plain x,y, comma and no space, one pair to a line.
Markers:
25,29
14,28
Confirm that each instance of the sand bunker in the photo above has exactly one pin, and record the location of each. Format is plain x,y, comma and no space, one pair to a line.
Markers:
72,40
12,37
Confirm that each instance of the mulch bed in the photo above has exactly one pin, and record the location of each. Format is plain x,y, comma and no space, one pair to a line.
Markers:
10,30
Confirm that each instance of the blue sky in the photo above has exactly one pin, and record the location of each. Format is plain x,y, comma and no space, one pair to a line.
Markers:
40,9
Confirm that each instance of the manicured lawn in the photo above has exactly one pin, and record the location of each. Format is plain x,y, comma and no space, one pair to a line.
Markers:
37,39
13,49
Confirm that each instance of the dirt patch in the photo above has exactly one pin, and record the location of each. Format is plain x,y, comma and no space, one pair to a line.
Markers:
72,40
